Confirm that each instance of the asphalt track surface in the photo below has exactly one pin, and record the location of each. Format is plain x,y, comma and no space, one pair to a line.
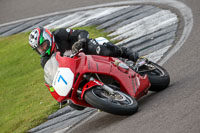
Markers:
174,110
12,10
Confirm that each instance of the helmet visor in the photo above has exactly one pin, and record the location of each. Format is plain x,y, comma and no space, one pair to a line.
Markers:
42,49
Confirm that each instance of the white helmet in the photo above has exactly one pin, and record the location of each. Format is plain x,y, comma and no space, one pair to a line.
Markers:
42,40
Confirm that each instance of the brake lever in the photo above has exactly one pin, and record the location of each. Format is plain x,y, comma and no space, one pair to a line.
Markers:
74,54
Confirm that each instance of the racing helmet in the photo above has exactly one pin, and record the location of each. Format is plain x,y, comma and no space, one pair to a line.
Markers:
42,40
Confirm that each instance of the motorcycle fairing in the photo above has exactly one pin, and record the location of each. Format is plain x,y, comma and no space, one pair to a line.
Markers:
130,82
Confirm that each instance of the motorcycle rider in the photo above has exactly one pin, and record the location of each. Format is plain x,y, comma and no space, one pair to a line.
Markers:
46,43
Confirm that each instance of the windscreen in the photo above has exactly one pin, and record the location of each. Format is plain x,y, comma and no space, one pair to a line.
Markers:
50,69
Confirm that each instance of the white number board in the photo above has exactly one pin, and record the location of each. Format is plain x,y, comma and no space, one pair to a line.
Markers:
63,81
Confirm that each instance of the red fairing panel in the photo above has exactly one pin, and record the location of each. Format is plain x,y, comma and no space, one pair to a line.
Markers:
89,85
55,95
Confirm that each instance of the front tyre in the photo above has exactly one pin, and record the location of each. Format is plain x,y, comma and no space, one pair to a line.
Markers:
118,103
74,106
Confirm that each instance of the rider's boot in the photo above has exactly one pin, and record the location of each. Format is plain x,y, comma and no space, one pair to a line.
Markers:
129,54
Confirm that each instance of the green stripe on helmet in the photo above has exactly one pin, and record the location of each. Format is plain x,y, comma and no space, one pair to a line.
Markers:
49,51
41,39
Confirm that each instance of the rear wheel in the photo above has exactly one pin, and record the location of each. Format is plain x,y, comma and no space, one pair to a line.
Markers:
158,76
118,103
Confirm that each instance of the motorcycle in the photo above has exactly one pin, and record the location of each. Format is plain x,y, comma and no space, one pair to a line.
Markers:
110,84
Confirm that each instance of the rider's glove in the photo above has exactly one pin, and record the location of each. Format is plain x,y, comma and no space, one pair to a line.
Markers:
78,45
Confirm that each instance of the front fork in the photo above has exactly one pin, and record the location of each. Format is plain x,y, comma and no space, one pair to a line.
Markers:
93,82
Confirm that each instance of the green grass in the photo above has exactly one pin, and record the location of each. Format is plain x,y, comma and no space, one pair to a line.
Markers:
25,102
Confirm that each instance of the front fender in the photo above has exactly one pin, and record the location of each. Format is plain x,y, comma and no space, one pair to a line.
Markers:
89,85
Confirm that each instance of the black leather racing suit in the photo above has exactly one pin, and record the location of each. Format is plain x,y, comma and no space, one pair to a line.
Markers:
65,38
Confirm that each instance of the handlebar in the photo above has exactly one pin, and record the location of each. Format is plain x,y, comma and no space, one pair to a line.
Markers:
140,62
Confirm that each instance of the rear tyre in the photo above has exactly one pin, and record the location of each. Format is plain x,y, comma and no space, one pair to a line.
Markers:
158,77
118,104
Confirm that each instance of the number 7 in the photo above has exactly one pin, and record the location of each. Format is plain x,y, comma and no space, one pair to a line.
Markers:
61,77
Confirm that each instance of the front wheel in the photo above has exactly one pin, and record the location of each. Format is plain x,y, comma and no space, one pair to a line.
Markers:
74,106
118,103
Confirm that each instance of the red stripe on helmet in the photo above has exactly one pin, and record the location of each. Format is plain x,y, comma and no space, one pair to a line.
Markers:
38,40
53,47
49,33
52,40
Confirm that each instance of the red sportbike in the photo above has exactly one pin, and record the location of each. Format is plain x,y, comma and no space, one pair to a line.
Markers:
110,84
